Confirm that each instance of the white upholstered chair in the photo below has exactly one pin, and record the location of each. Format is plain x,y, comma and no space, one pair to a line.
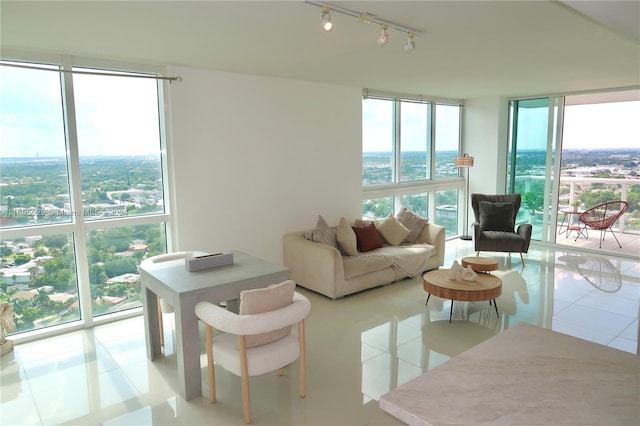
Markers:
163,306
258,340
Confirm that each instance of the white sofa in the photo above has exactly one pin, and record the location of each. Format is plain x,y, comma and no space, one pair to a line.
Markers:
323,269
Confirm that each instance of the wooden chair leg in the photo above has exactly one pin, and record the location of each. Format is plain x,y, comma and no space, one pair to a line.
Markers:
244,377
210,366
160,322
302,361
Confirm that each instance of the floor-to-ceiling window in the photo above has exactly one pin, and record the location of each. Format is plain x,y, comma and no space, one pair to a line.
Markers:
601,152
597,138
83,187
528,159
408,150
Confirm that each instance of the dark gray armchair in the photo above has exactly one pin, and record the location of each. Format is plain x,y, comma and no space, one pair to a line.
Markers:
494,226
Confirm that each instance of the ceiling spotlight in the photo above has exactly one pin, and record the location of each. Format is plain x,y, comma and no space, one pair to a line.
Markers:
326,19
411,44
384,35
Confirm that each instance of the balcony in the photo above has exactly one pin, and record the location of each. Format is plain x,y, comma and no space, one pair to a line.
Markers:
627,228
629,240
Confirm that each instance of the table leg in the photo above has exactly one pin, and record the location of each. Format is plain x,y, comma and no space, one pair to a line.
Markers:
188,348
582,232
451,312
151,315
428,296
564,217
495,305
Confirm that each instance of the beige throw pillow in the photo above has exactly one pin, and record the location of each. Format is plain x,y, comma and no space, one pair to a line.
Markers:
261,300
347,238
393,231
412,222
324,234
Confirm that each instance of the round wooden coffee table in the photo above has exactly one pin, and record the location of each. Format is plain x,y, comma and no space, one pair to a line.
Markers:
486,287
480,264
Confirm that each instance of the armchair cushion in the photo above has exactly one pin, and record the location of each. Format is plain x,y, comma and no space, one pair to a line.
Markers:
267,299
496,217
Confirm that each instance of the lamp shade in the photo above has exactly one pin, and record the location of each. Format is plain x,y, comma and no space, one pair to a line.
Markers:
464,161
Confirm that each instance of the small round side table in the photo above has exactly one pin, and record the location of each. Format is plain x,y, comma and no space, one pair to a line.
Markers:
480,264
486,287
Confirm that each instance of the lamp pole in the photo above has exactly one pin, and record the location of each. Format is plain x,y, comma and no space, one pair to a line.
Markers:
465,236
465,161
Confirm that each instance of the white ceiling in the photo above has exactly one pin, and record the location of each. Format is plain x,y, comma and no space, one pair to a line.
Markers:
470,49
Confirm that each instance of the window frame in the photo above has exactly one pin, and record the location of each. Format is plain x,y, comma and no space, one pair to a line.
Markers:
430,185
78,227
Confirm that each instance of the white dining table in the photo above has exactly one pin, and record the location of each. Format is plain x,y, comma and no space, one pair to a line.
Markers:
183,290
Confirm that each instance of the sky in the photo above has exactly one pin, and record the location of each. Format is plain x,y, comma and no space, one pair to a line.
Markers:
119,116
377,131
590,126
115,115
597,126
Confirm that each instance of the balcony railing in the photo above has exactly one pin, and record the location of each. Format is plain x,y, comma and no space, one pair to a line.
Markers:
627,228
624,186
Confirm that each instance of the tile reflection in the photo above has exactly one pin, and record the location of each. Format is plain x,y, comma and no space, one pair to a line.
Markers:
599,272
163,413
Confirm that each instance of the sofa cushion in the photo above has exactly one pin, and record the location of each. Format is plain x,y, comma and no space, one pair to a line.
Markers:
410,259
347,239
324,234
364,264
393,231
267,299
496,216
412,222
502,241
367,237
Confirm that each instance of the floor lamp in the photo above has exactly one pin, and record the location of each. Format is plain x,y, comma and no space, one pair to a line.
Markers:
465,161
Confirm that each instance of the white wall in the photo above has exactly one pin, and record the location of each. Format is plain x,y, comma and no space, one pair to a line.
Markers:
256,157
485,138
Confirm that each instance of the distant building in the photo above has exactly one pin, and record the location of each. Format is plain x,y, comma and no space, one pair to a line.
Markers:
61,297
128,279
138,245
110,300
446,212
24,295
15,276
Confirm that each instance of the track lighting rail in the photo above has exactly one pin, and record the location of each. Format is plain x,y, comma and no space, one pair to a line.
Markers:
366,17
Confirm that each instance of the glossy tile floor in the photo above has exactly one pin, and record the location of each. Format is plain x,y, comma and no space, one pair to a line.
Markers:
358,348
